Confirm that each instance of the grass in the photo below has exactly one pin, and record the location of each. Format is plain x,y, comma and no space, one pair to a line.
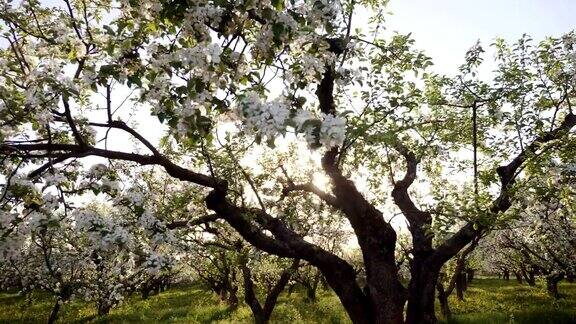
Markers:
494,301
487,301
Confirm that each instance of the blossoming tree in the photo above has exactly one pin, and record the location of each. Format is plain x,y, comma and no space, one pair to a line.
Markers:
544,237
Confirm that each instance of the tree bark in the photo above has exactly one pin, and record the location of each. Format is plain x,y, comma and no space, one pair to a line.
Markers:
464,280
421,294
103,309
339,274
443,299
377,240
530,277
232,299
552,285
310,292
459,285
518,276
54,314
470,273
291,289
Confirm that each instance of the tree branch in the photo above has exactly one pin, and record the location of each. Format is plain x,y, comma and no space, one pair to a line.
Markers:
507,174
193,222
418,220
76,151
310,187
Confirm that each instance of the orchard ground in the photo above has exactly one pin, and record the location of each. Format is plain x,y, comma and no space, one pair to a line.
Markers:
487,301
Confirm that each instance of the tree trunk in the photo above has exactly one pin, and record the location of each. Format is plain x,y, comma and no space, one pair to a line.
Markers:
552,284
570,277
221,293
443,299
464,279
530,278
145,292
310,293
261,313
421,294
518,277
250,296
339,274
506,275
291,289
387,297
470,273
233,297
460,286
357,304
54,314
103,309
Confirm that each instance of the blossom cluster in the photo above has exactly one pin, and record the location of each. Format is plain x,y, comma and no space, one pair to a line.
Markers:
271,119
156,263
102,232
332,131
156,228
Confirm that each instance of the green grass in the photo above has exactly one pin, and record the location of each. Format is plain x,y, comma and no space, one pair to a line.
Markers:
494,301
487,301
183,305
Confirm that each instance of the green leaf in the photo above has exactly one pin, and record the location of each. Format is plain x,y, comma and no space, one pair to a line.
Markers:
278,4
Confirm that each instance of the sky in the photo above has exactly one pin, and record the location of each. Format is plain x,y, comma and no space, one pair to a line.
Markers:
446,29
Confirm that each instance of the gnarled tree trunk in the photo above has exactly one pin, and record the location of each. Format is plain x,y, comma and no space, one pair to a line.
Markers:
458,276
460,285
104,309
530,277
384,297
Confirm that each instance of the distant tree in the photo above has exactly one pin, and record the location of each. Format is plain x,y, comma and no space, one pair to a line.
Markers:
271,284
457,280
543,237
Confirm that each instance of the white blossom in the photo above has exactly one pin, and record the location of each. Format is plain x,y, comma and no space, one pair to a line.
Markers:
332,131
214,52
55,179
98,170
302,116
135,196
266,118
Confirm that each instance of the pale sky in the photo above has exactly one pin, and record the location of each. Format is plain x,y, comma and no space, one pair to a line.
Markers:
446,29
